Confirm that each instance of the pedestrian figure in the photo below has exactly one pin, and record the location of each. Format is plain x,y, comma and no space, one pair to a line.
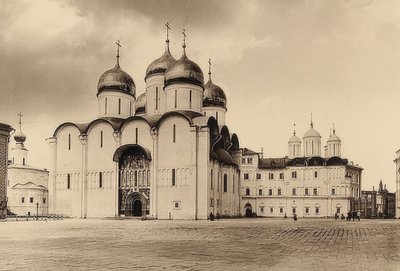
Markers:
354,215
211,216
348,216
285,216
217,217
358,215
336,216
295,217
342,217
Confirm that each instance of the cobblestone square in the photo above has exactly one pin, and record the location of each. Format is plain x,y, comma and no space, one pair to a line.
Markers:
234,244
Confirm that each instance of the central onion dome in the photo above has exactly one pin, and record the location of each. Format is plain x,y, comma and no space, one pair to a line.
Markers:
311,132
160,65
213,94
140,105
116,79
184,70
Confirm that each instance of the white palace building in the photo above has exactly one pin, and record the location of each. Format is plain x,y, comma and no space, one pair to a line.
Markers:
168,154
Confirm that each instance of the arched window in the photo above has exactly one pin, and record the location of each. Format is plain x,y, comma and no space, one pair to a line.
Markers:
156,97
173,177
176,98
68,181
105,106
225,183
247,191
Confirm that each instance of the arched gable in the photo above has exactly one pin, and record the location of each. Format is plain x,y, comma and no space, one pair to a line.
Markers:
181,114
80,127
226,137
113,123
335,161
118,152
316,161
133,118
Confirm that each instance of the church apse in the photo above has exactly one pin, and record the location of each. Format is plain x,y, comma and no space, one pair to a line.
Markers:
134,180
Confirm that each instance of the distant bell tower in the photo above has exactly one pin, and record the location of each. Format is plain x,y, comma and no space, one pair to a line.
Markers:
19,154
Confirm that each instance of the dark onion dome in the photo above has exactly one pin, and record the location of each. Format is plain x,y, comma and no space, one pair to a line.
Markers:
140,105
184,70
160,65
116,79
213,95
19,137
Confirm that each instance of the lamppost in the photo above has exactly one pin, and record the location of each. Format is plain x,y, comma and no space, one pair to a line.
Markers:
37,210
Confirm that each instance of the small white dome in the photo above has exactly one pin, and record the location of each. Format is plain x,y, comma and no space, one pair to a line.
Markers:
294,139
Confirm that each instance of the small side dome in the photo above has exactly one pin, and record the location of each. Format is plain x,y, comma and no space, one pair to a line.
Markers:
140,105
116,79
19,137
160,65
213,94
184,70
333,137
294,139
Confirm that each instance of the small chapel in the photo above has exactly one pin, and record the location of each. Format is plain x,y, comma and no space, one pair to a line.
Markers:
166,153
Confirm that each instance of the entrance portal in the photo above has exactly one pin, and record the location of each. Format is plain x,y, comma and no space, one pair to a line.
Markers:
134,180
137,208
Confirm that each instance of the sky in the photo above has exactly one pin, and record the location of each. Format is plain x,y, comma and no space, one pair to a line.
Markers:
277,61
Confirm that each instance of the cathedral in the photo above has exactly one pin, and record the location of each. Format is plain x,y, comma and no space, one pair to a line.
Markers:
306,183
166,153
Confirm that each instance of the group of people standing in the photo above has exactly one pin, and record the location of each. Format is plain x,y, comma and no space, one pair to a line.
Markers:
350,215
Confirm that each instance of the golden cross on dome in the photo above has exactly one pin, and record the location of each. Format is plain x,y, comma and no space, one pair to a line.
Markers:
167,28
20,120
118,43
209,68
184,38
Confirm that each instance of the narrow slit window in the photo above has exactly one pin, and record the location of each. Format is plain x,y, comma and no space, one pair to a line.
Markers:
190,98
101,139
156,97
225,183
176,98
174,133
173,177
101,179
68,181
130,109
69,141
119,106
105,106
136,135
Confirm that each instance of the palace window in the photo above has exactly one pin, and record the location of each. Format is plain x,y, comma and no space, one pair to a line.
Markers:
271,210
294,174
260,192
101,139
307,210
306,191
281,176
333,191
279,192
44,200
173,177
315,174
225,183
101,179
68,181
174,133
23,200
247,191
271,176
317,210
281,210
243,160
250,160
338,210
270,192
31,199
315,191
293,210
258,176
211,202
246,176
293,191
69,141
119,106
177,205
